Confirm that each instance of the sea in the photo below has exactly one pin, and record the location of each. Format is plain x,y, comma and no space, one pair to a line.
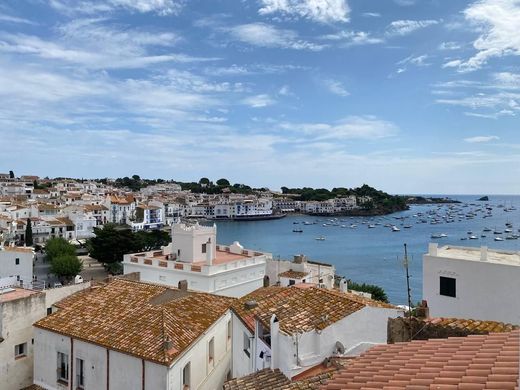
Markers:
376,255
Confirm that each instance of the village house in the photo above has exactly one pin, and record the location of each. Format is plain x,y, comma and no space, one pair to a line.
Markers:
195,256
468,282
295,328
300,270
133,335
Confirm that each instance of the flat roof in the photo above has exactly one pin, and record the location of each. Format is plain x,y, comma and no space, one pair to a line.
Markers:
12,293
474,254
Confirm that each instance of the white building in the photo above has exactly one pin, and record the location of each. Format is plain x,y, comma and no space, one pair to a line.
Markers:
19,309
133,335
16,263
300,270
474,283
148,217
295,328
194,256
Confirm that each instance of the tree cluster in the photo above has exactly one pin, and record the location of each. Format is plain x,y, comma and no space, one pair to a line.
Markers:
62,256
112,242
204,185
134,183
377,292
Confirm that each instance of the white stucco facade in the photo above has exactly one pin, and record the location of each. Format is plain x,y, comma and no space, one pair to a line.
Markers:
298,352
16,262
110,369
317,273
195,257
477,283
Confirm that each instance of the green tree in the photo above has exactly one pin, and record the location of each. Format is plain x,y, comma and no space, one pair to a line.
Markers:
153,239
11,175
223,182
66,266
28,233
111,243
377,292
56,247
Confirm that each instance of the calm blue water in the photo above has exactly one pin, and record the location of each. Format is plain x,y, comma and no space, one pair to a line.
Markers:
376,255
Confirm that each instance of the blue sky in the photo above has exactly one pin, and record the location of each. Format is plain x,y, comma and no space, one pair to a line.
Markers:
410,96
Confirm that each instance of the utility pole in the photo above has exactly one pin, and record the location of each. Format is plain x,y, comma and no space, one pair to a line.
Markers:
405,263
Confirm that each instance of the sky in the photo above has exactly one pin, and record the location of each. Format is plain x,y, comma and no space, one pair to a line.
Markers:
408,96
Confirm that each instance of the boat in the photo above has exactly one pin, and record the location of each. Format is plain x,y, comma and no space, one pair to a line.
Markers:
473,237
499,239
320,238
395,229
295,223
486,229
297,231
371,226
443,235
407,226
436,235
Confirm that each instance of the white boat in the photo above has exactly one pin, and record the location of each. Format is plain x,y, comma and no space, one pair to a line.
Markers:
395,229
499,239
443,235
371,226
320,238
436,235
473,237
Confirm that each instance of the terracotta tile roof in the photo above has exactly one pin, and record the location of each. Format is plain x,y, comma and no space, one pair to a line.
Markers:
293,274
137,318
34,387
276,380
472,362
470,325
298,309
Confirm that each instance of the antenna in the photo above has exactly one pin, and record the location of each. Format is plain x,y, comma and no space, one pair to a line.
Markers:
405,263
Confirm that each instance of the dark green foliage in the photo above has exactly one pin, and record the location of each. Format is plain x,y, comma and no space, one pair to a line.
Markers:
28,233
223,182
11,175
112,242
204,181
56,247
377,292
66,266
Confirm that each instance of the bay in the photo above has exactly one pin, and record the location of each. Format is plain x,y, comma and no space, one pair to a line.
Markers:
375,255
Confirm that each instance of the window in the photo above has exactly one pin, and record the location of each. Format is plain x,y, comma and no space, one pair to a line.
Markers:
203,248
63,367
17,261
291,282
186,373
229,331
49,310
80,374
247,345
20,350
448,286
211,352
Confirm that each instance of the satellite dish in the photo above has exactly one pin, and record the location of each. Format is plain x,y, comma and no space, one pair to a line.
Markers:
340,348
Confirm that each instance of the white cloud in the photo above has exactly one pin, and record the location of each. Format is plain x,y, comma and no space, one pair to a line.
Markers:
353,127
452,64
450,46
323,11
371,14
265,35
91,7
353,38
498,22
91,43
405,3
482,138
285,91
405,27
507,80
15,19
258,101
335,87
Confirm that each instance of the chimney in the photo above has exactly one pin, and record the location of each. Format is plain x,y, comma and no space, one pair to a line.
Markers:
343,285
432,249
209,252
251,304
422,311
183,285
483,253
167,344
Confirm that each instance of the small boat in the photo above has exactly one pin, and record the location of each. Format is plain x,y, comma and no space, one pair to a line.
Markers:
295,223
508,230
486,229
297,231
353,226
464,238
371,226
407,226
473,237
483,235
395,229
436,235
499,239
443,235
320,238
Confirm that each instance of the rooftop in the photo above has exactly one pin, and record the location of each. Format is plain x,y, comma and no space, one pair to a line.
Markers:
472,362
477,254
137,318
275,380
13,293
293,274
300,309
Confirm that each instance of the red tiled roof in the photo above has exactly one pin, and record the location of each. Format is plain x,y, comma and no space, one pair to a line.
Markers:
472,362
136,318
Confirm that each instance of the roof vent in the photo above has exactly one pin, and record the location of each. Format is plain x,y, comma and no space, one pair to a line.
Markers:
340,348
183,285
168,344
248,305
